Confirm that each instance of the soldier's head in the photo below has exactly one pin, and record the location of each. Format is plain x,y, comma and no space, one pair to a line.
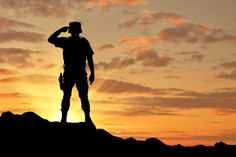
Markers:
75,28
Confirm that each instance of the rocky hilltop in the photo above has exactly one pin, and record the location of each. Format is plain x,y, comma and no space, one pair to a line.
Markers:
29,132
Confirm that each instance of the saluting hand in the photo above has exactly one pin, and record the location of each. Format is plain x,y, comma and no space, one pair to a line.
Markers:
64,29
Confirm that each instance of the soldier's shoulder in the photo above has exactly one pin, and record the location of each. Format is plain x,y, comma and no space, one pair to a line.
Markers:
83,38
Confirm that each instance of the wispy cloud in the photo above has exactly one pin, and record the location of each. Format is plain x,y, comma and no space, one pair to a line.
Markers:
229,70
141,53
195,56
41,8
59,11
149,57
129,22
194,33
225,136
228,65
148,18
172,18
62,8
148,111
25,36
17,57
142,111
112,86
173,77
34,78
8,72
224,112
49,66
6,22
228,75
145,41
105,47
105,4
144,55
220,99
14,95
224,100
115,63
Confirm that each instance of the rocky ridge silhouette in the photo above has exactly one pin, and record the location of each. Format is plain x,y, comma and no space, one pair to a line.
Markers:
29,132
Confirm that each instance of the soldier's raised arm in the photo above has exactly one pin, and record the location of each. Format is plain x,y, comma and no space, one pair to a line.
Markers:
53,38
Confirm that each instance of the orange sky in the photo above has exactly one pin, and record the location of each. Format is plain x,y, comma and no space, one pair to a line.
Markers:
164,69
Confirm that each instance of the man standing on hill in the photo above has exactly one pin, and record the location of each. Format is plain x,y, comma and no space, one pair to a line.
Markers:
76,50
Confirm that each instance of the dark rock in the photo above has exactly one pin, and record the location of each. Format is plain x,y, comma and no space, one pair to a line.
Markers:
29,132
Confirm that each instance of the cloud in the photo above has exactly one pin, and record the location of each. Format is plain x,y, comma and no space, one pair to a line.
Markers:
222,103
34,78
149,57
193,33
228,75
9,23
13,35
112,86
145,41
16,56
59,11
130,2
224,112
141,70
228,65
8,72
229,70
188,53
61,8
129,22
49,66
147,111
105,47
171,18
141,111
189,33
195,55
42,8
148,18
224,136
13,95
104,4
221,99
172,77
115,63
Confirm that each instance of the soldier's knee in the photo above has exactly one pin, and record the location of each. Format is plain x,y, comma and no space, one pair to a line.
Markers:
83,95
65,104
67,96
85,104
86,108
84,100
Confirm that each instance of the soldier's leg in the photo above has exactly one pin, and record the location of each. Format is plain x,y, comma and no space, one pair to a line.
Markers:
65,103
82,86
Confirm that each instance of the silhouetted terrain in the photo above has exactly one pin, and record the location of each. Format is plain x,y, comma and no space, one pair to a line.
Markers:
26,133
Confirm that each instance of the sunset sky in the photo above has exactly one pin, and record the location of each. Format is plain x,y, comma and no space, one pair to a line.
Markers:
163,68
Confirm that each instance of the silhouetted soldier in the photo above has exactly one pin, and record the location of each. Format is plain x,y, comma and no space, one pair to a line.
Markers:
76,50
